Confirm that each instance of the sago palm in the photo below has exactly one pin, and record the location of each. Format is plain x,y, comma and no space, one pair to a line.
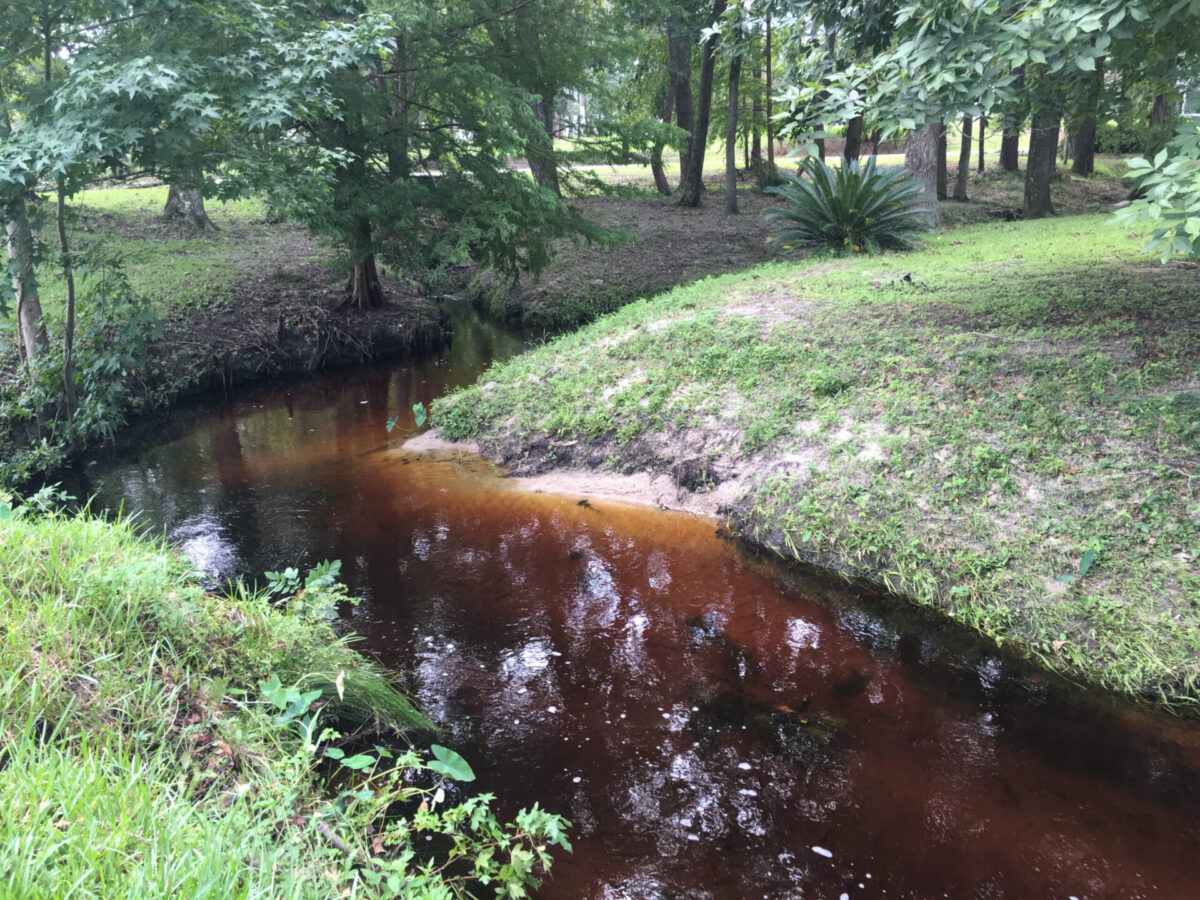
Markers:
860,208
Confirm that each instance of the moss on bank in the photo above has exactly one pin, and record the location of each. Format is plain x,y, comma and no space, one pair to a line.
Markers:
157,740
1004,426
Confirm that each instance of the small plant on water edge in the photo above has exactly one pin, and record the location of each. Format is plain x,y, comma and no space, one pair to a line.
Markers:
405,840
858,207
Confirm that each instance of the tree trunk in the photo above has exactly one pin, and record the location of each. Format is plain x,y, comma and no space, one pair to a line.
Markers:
29,305
185,204
731,121
1160,112
1039,168
854,130
1010,149
921,158
692,185
1068,148
770,105
656,161
982,129
1085,147
1085,135
540,152
964,161
69,326
679,72
943,175
756,110
362,286
19,240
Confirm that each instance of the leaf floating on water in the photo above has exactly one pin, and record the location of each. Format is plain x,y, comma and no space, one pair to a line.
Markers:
450,764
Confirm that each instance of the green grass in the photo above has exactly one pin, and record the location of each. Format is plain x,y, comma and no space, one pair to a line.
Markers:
964,425
136,759
179,274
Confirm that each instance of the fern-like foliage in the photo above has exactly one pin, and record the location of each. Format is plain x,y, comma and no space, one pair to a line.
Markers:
860,208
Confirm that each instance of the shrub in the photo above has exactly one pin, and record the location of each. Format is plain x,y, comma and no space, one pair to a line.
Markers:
859,207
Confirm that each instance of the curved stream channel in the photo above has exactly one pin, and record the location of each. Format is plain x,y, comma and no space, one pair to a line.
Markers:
714,725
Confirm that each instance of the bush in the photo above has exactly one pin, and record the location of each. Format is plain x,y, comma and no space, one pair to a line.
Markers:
859,207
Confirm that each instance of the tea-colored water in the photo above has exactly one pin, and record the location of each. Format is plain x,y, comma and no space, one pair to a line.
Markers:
715,726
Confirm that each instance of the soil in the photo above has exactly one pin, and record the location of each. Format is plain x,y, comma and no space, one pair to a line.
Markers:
296,323
283,313
663,245
660,488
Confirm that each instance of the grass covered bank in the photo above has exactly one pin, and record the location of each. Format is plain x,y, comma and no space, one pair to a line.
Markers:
156,740
1005,426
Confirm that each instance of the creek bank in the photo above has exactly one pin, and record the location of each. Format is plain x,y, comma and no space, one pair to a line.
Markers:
1001,428
664,245
254,301
166,739
276,327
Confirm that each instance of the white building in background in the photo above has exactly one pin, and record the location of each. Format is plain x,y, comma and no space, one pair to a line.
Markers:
571,117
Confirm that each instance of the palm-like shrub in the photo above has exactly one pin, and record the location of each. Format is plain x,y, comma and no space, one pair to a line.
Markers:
861,208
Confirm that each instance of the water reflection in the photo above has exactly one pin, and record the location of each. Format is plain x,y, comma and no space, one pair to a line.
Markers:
713,727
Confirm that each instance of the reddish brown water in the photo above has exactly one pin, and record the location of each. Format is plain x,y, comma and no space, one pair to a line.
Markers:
715,727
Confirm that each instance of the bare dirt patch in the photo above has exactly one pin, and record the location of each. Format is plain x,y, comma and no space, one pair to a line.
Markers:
666,245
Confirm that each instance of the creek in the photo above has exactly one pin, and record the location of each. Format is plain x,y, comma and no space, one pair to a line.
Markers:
714,725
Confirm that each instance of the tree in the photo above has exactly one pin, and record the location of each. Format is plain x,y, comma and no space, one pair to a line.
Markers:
548,47
731,121
185,203
921,158
964,159
1170,195
947,58
691,185
21,256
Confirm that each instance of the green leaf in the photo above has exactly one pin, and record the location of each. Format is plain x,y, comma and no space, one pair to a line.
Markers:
1086,562
1086,63
450,764
358,762
335,753
420,414
391,423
